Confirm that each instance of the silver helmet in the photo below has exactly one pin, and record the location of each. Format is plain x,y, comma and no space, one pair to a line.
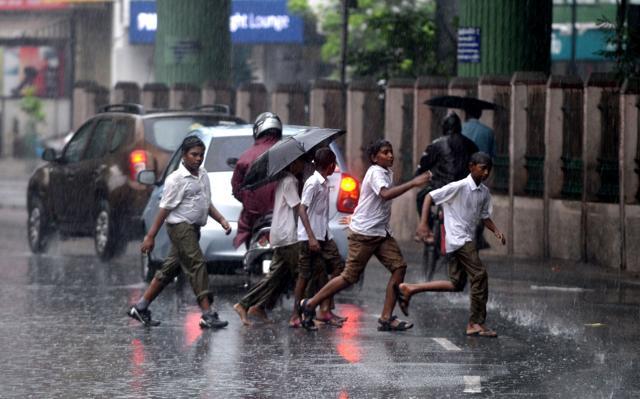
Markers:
265,122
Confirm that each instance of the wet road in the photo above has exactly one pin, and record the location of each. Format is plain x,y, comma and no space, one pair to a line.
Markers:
565,330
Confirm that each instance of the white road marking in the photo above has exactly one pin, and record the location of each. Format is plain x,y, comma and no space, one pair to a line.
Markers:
555,288
472,384
448,345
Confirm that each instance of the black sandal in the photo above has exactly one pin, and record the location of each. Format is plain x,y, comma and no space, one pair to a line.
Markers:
307,316
387,325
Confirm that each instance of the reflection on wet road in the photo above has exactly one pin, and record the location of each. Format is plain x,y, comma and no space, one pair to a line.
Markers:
64,333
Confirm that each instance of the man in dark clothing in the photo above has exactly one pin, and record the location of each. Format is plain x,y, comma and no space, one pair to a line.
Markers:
447,157
267,130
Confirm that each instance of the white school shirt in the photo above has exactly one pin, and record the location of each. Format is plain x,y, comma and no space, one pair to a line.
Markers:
371,216
187,196
464,204
315,196
283,225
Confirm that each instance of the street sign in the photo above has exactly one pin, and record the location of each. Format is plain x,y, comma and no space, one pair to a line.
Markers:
468,45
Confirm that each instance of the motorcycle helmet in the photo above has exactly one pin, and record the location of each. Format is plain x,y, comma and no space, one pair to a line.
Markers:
267,122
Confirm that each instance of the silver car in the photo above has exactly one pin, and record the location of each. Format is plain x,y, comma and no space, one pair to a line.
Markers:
224,145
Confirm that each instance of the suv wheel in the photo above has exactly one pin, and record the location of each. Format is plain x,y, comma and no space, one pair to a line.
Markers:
108,242
38,228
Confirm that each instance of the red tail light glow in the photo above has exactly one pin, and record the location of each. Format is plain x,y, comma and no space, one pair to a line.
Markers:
349,194
137,163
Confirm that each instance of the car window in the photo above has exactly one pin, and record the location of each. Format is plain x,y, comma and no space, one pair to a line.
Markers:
75,147
223,148
173,164
168,133
121,134
99,139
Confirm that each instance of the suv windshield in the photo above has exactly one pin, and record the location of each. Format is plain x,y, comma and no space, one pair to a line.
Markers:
222,149
168,133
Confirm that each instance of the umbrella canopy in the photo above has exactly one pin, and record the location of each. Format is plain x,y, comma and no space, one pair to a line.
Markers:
267,166
459,102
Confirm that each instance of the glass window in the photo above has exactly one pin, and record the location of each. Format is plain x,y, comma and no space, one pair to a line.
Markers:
75,147
121,134
99,139
168,133
222,149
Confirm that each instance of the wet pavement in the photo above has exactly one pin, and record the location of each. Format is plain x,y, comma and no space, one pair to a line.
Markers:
566,330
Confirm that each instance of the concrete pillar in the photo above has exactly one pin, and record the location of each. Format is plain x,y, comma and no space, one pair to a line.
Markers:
251,101
595,85
629,168
326,104
289,103
216,92
526,223
497,89
155,96
88,97
184,96
398,129
562,218
365,119
427,120
125,92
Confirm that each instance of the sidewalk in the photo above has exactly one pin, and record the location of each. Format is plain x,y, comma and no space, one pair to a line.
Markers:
14,177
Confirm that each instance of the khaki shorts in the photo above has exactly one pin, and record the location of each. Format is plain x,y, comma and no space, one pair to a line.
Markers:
362,248
327,261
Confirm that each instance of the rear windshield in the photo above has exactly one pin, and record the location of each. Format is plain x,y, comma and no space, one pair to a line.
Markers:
168,133
222,150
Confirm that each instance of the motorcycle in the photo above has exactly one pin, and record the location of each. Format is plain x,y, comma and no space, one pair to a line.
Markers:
257,259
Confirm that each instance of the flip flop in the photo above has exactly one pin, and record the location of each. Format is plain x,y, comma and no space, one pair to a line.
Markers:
488,333
387,325
403,301
331,321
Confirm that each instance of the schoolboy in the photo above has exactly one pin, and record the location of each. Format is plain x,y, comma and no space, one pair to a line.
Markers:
465,202
318,251
185,206
370,234
284,239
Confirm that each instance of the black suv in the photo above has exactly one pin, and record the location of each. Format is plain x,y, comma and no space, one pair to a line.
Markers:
90,189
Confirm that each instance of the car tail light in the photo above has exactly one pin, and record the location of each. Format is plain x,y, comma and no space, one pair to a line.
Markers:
137,163
348,194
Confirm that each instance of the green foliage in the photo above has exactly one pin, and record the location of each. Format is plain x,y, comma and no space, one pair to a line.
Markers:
387,38
623,47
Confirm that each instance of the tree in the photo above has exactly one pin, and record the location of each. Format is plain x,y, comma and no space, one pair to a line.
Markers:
387,38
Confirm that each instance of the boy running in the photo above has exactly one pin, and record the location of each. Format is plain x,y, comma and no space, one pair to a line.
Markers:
370,234
465,202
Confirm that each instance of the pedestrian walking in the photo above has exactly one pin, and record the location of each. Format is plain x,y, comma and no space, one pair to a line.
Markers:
370,234
283,237
318,251
481,134
465,202
185,206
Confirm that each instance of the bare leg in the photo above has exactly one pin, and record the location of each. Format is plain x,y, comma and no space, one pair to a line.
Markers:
298,292
205,305
396,278
439,285
334,286
242,312
154,289
259,312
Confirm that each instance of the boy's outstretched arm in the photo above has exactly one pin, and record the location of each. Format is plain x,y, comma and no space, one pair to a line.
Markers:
488,223
423,231
217,216
395,191
149,240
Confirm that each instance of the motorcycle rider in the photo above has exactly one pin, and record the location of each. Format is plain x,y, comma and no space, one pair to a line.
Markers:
267,130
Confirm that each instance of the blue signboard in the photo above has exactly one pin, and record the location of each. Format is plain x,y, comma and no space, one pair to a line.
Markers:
589,42
468,45
251,22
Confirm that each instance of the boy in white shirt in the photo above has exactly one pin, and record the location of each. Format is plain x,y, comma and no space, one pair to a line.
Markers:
465,202
283,238
370,234
318,251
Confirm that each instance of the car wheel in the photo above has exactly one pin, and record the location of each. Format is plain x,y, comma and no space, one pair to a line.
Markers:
38,227
108,242
148,267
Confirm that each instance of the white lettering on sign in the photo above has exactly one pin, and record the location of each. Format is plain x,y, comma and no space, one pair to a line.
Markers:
147,21
250,21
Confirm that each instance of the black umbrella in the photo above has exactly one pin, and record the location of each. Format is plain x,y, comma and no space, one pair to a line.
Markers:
459,102
267,166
